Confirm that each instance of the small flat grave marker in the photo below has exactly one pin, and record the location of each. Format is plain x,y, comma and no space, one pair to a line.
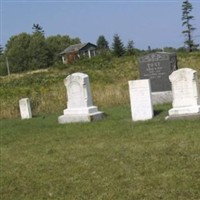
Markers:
25,108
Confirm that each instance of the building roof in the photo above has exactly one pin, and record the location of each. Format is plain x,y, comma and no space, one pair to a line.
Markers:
75,48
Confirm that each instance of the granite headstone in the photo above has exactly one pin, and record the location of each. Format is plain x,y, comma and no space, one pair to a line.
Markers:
157,67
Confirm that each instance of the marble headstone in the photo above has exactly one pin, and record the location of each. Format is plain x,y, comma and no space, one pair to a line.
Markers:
80,107
25,108
140,99
186,94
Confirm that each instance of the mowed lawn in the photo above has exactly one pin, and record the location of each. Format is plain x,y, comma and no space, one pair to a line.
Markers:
112,159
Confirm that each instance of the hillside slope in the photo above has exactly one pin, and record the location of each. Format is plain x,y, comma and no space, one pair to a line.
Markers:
108,78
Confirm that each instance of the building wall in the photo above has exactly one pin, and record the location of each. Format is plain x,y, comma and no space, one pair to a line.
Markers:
88,51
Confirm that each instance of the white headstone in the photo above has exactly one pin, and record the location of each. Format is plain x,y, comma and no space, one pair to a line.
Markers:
140,98
185,91
79,105
25,108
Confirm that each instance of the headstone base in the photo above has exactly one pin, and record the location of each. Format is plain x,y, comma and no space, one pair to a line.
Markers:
71,118
184,112
77,111
161,97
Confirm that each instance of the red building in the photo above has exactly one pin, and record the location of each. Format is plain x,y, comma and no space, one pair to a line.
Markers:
76,51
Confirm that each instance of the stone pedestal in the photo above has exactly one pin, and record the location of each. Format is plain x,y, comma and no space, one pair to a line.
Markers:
161,97
80,115
79,106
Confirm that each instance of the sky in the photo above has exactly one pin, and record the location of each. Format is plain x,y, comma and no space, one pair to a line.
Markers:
154,23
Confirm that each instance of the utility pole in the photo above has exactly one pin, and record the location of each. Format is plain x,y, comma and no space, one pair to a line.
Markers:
7,65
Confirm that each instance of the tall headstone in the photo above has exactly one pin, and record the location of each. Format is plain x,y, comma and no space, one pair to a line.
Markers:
80,107
140,98
186,94
25,108
157,67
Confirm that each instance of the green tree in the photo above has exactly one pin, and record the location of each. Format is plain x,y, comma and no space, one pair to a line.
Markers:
118,46
39,52
130,48
58,43
27,52
102,43
37,29
3,69
186,22
17,52
1,50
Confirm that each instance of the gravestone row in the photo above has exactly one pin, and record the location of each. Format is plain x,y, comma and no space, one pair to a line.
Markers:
185,90
186,96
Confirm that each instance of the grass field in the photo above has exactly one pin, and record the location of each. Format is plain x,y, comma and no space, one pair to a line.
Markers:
112,159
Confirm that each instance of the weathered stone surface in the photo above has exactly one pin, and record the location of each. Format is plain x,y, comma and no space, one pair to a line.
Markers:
157,67
140,98
161,97
186,94
25,108
79,105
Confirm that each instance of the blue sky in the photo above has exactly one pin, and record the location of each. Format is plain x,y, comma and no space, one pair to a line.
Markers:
147,22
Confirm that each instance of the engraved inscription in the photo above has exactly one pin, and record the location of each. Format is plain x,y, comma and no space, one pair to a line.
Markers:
154,57
154,70
157,67
75,95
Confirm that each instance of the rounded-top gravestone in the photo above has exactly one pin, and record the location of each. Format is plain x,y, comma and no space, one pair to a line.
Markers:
79,105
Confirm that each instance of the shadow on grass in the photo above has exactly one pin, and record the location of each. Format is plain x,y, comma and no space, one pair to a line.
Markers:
158,112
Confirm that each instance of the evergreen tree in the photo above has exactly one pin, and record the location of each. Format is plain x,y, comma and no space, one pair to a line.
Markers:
186,22
1,50
37,29
130,48
118,46
102,43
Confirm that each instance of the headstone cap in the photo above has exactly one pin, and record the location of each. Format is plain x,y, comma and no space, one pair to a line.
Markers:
156,56
78,76
24,99
179,74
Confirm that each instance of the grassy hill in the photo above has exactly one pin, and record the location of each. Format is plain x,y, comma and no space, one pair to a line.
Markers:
45,88
110,159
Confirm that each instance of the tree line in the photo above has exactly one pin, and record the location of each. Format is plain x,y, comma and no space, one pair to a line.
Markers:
35,51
